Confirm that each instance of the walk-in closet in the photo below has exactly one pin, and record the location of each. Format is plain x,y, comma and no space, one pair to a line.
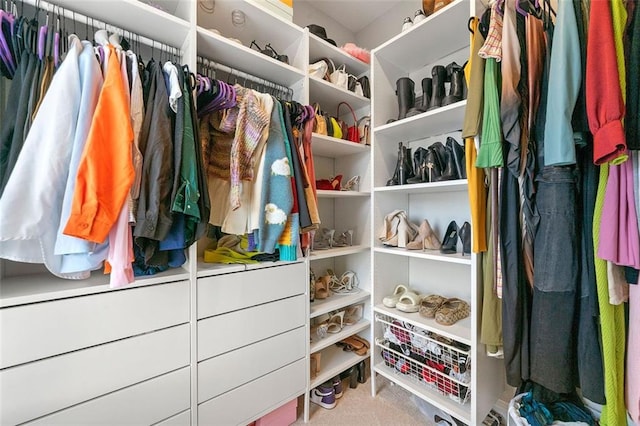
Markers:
278,212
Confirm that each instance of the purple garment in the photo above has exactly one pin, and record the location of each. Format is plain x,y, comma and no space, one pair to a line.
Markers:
619,237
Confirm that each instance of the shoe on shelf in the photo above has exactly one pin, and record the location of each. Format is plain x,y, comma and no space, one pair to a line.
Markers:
314,363
392,300
408,23
465,237
430,304
450,240
452,311
337,386
323,239
353,314
323,287
344,240
409,302
336,322
324,395
332,184
352,184
347,283
426,238
362,372
419,16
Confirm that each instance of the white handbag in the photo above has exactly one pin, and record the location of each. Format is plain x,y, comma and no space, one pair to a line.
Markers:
318,69
340,77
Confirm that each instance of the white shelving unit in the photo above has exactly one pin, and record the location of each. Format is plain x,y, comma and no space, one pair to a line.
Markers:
438,40
342,211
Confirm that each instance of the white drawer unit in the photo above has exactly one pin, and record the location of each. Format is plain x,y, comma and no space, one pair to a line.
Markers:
248,402
181,419
39,330
39,388
145,403
232,369
223,333
225,293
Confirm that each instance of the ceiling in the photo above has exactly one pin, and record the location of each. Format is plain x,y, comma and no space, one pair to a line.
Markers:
353,14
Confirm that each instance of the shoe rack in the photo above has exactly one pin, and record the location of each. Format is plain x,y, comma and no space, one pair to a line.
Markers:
340,211
437,40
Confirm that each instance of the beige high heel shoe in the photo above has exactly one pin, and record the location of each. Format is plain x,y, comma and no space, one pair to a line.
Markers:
426,238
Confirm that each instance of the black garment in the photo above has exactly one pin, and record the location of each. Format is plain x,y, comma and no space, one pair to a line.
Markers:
178,135
516,297
553,327
204,203
12,136
590,372
153,219
632,117
303,208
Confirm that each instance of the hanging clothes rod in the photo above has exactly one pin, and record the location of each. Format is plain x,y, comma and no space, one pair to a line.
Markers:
242,75
95,23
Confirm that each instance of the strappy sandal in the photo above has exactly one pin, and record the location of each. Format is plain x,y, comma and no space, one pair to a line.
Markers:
430,304
408,302
391,301
336,322
347,283
452,311
355,344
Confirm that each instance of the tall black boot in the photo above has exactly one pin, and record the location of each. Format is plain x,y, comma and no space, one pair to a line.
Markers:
406,96
438,75
456,75
458,157
396,173
407,165
423,103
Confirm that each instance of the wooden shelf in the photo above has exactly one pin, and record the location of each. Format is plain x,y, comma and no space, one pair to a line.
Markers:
336,301
318,48
328,95
435,37
431,123
318,344
32,288
460,411
327,146
460,331
224,51
425,188
427,254
333,362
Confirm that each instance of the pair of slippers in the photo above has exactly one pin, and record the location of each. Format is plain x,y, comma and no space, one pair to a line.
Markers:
445,311
403,299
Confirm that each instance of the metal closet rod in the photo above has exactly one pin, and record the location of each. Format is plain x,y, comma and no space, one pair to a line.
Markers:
241,74
96,23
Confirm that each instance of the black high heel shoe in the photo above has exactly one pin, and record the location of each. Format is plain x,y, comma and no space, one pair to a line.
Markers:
450,240
465,237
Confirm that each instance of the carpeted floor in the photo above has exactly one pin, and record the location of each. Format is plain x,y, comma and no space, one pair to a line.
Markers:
392,406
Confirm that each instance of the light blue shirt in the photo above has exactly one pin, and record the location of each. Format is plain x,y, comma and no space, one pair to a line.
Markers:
78,252
565,79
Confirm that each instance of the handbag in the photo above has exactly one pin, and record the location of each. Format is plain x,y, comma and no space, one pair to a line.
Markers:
319,69
340,78
352,131
355,86
366,88
337,130
320,125
364,128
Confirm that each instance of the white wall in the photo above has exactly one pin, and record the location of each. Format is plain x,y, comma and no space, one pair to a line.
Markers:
305,14
388,25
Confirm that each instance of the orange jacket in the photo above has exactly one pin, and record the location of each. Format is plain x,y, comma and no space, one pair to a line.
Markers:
106,172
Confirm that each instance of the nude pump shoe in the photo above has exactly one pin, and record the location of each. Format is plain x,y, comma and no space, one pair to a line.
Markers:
426,239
